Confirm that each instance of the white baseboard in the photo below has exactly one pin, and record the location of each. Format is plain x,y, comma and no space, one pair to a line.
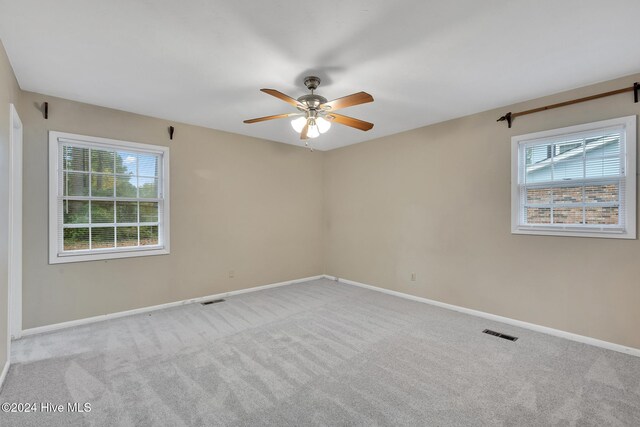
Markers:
519,323
72,323
3,375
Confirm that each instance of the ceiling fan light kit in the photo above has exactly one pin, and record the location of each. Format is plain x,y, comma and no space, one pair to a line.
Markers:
317,126
316,113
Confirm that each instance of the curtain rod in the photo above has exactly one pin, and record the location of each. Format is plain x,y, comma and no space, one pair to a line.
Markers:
510,116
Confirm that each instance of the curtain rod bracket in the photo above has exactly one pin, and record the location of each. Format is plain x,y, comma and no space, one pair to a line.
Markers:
636,89
46,110
506,117
171,129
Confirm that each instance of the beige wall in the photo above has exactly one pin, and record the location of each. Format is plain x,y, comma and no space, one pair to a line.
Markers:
237,203
436,201
8,94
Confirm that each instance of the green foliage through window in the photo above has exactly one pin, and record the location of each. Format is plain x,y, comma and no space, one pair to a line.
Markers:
110,199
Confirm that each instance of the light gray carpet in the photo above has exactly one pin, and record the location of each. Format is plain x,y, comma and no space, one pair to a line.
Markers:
318,353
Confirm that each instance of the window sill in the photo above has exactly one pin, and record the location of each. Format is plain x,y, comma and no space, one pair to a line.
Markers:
81,256
573,231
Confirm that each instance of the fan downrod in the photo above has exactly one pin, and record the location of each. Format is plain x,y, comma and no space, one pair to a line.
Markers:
311,101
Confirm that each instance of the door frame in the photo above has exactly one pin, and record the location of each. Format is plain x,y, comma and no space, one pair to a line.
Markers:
15,225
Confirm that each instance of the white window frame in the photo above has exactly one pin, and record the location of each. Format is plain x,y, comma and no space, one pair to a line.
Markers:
56,255
628,231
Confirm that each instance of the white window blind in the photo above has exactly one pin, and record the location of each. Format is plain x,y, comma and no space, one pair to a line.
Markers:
110,198
576,180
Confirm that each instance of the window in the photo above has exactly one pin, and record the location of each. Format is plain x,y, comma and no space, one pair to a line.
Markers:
576,181
107,198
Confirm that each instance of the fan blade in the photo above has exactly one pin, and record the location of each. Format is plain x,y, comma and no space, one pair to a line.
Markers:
349,121
305,129
277,116
347,101
285,98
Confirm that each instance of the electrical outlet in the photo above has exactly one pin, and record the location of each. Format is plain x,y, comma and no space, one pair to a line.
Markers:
413,277
232,274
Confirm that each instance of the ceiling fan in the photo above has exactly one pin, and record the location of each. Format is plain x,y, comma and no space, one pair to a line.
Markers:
316,113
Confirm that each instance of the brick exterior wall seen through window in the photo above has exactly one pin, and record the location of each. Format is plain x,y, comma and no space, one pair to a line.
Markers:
560,199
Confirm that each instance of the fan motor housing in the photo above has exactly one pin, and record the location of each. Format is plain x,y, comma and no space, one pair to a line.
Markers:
312,101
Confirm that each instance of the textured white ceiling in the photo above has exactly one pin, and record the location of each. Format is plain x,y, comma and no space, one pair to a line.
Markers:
204,61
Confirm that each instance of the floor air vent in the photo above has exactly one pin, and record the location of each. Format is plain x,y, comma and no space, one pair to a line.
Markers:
213,301
499,335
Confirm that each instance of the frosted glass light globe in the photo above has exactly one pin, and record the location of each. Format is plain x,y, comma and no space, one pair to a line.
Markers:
298,124
313,132
323,124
